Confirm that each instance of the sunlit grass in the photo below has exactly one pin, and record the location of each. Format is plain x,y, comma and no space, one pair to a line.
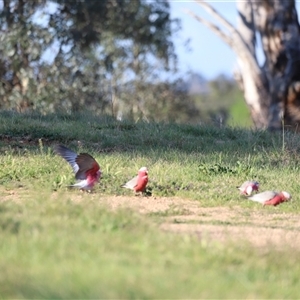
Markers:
57,242
55,248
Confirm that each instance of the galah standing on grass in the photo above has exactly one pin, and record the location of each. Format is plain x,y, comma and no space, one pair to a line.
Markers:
271,197
139,182
87,170
248,187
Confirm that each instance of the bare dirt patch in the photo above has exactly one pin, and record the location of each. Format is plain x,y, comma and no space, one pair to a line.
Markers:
258,226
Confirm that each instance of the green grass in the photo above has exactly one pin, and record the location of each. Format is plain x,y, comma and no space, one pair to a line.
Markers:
239,114
60,243
60,249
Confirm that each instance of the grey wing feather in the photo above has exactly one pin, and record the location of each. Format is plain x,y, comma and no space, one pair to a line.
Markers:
68,155
131,183
264,196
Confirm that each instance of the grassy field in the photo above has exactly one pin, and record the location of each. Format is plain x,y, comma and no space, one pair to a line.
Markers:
61,243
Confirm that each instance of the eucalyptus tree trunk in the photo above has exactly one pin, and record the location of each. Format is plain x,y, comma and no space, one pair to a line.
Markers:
271,90
277,23
253,80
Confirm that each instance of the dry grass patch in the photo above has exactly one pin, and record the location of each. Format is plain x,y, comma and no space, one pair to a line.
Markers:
260,226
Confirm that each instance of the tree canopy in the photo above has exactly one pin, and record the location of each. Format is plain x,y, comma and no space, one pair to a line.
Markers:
74,55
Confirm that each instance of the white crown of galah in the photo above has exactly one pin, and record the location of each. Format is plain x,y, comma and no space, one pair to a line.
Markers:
286,195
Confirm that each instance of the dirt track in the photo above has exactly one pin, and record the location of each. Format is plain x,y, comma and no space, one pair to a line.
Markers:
259,226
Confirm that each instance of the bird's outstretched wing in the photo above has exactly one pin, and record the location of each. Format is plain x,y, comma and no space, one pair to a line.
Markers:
68,155
87,165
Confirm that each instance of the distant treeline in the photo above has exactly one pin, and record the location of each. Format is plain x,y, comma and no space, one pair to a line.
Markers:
105,56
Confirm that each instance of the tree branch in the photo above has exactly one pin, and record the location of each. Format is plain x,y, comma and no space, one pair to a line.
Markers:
246,24
238,44
213,27
216,15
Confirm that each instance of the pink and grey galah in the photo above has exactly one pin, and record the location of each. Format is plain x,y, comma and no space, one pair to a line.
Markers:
87,170
139,182
248,187
271,197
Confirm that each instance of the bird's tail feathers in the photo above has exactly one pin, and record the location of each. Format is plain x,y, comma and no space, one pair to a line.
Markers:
126,186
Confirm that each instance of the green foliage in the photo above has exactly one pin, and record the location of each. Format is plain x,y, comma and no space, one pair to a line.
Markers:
94,50
147,24
222,103
73,56
219,169
239,114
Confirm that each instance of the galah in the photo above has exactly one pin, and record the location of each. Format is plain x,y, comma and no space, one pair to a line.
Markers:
87,170
271,197
248,187
139,182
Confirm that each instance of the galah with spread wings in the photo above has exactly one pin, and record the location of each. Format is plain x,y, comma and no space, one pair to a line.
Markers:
87,170
139,182
248,187
271,197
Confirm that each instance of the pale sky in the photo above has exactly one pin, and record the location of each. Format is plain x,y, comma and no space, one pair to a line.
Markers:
209,55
